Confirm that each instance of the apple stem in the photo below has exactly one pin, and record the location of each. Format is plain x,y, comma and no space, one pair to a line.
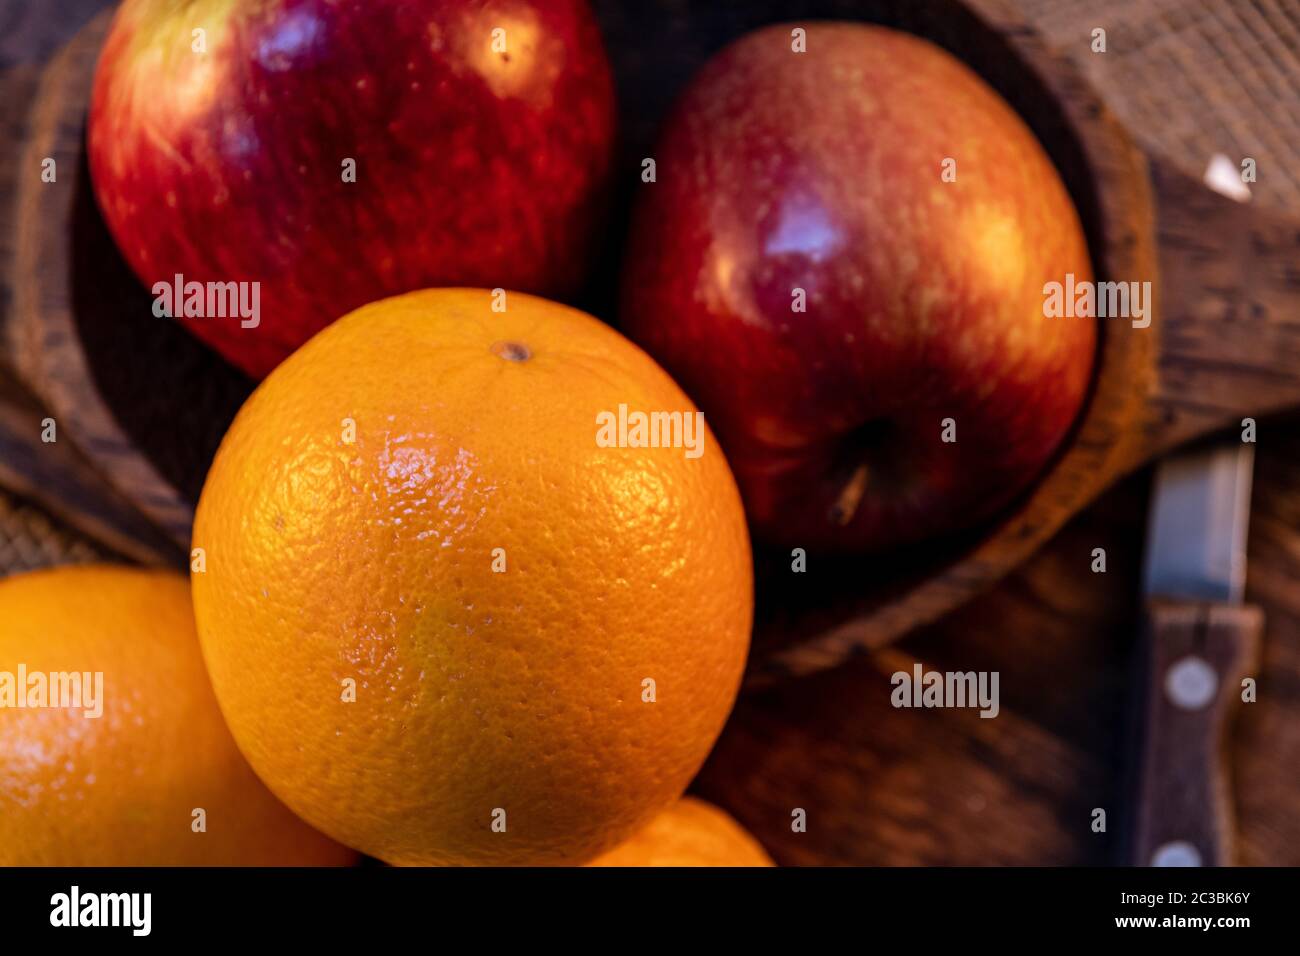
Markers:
846,506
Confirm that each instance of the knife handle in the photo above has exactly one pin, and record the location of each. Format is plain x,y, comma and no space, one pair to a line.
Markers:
1196,657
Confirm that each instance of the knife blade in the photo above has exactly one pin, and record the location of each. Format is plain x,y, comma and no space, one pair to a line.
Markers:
1196,538
1200,642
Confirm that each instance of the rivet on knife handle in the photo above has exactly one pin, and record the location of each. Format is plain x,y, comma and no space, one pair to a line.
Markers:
1198,654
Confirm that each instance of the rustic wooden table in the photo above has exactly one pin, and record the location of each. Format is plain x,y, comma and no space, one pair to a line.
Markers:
891,786
888,786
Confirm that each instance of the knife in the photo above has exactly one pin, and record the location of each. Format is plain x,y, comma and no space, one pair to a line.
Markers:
1200,642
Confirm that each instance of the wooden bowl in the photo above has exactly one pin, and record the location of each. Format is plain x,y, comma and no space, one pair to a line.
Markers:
149,404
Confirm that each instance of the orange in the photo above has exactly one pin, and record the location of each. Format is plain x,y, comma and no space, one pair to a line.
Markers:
142,770
446,624
689,833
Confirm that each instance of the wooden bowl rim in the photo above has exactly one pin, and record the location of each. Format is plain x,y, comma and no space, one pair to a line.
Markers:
44,326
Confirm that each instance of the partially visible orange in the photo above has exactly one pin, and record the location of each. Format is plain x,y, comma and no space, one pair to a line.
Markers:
689,833
536,714
123,788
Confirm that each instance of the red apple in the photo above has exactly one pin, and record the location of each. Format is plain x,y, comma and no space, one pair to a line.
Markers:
815,179
220,132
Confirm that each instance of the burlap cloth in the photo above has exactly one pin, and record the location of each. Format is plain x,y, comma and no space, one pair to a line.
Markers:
1190,77
1196,77
30,539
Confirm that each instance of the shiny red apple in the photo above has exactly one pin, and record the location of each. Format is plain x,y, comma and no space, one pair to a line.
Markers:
338,152
838,306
